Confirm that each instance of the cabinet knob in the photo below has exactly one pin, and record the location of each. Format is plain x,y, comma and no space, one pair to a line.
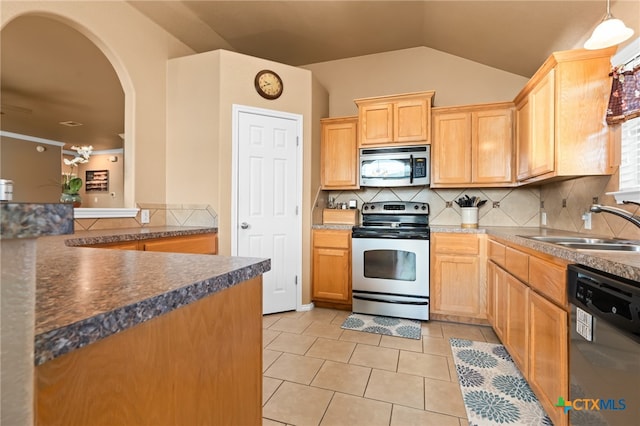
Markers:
244,225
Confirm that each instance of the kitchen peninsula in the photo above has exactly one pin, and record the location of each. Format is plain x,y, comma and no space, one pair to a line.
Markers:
137,337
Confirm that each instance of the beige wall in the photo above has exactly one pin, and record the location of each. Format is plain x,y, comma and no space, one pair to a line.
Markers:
202,89
138,50
35,175
114,197
457,81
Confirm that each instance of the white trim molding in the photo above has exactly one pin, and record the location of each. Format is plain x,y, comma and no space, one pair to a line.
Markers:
626,195
98,213
305,308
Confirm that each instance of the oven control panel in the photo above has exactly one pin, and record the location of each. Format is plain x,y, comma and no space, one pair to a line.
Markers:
395,207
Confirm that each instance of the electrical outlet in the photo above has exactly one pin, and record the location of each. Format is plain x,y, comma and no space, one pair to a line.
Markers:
543,218
587,220
144,216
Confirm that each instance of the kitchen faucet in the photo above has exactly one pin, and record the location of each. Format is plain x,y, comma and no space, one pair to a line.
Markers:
597,208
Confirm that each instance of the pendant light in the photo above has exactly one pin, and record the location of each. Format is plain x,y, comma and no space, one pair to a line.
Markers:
609,32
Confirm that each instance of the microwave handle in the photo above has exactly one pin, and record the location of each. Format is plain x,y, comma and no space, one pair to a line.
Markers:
411,168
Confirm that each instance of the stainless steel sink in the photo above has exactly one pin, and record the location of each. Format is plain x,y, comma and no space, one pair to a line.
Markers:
583,240
601,246
586,243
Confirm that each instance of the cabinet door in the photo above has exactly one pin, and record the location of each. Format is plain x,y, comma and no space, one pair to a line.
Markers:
332,265
542,148
410,121
451,149
517,340
339,154
376,124
331,274
491,146
491,293
456,290
523,139
457,280
548,354
501,301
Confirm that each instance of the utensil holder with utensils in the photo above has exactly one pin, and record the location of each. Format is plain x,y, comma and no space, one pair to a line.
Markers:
469,217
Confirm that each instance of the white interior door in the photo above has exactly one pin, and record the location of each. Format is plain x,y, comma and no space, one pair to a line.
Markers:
268,194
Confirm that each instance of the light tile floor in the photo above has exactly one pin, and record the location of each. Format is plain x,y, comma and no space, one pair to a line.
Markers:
316,373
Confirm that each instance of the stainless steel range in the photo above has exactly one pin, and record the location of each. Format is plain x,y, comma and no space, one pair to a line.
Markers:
390,260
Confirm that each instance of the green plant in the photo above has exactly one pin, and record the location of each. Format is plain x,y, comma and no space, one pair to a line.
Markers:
71,183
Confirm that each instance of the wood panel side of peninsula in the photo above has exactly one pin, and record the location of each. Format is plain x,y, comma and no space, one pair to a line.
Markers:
198,364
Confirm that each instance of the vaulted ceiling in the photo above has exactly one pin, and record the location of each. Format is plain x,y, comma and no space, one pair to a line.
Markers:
515,36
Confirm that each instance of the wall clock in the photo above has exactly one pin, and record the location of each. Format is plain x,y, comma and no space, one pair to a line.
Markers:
268,84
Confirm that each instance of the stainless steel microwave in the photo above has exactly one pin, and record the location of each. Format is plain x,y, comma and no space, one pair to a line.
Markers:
397,166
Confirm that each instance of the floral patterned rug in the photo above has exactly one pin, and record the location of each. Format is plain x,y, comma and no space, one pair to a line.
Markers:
494,391
411,329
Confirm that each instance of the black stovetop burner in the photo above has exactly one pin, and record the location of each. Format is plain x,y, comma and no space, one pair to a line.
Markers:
395,219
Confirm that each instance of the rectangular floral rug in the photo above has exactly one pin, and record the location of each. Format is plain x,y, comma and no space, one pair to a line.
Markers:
493,390
411,329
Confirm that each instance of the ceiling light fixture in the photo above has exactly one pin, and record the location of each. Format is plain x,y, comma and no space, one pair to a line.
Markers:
70,123
609,32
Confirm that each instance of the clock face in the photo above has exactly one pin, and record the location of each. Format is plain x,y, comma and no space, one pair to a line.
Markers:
268,84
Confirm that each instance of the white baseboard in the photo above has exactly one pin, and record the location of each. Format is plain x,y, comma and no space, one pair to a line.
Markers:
304,308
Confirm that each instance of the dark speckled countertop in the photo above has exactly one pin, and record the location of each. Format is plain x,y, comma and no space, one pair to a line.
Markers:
84,294
623,264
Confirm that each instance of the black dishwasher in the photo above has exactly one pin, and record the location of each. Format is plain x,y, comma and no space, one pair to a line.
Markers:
604,353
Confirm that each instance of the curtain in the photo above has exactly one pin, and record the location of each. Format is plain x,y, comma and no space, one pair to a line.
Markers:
624,101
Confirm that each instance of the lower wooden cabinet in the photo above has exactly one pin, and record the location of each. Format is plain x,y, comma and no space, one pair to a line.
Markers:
195,244
497,299
332,266
548,354
517,324
198,364
458,288
527,307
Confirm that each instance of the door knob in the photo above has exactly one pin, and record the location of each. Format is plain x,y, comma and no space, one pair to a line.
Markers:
244,225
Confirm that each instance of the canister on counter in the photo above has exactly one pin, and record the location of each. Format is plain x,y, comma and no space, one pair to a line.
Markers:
6,190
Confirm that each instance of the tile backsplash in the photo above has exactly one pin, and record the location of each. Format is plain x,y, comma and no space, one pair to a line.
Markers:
159,215
565,202
504,206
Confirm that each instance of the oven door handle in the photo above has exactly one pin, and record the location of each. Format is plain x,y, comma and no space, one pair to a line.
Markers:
398,302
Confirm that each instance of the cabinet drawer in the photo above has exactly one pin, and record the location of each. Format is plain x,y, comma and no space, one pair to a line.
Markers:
497,252
548,279
456,243
517,264
122,245
195,244
331,238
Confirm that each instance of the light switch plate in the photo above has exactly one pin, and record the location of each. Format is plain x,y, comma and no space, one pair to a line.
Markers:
144,216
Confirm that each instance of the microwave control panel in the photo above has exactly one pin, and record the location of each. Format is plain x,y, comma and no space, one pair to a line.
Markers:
419,167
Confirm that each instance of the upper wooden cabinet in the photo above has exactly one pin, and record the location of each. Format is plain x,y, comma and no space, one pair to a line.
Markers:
393,120
339,153
472,145
560,118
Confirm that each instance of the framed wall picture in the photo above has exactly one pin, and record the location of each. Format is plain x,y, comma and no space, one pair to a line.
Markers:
96,181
